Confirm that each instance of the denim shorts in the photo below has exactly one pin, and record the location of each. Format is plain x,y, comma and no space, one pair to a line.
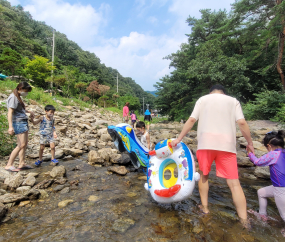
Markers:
20,127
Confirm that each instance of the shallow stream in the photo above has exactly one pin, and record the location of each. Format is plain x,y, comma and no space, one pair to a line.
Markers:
123,211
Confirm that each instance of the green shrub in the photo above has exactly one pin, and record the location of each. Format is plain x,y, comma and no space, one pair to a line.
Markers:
266,106
7,142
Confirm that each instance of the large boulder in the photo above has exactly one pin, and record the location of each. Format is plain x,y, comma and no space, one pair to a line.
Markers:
58,171
262,172
14,181
29,181
94,158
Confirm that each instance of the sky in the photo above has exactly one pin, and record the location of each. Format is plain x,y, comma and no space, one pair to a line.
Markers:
131,36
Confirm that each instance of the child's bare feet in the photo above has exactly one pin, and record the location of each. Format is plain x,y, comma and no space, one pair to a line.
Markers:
259,216
245,223
204,209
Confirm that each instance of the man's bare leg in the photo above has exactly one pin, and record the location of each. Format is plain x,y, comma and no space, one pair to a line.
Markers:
238,198
204,190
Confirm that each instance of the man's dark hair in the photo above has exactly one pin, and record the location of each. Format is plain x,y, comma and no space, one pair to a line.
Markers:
140,124
218,87
49,107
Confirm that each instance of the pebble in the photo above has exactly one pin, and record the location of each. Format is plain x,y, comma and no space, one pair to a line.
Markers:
123,224
24,203
93,198
65,190
64,203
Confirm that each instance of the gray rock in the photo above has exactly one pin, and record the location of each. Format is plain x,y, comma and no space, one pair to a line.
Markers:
95,158
12,197
33,194
123,224
72,152
64,203
106,137
249,176
58,155
3,210
44,194
244,162
29,181
58,188
44,184
34,174
60,181
58,172
65,190
23,189
4,173
262,172
14,181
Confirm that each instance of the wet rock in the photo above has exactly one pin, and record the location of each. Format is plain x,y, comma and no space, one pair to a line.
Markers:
249,176
33,156
132,194
23,189
74,183
58,188
72,152
65,190
33,194
93,198
14,181
44,184
123,224
60,181
29,181
12,197
244,162
262,172
58,155
73,187
198,229
94,158
24,203
144,178
116,158
67,158
43,193
64,203
121,170
3,210
58,171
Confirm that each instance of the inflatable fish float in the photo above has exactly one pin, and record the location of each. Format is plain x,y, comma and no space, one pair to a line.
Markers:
170,172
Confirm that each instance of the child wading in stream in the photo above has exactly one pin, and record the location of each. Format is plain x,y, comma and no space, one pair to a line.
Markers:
145,137
47,134
275,159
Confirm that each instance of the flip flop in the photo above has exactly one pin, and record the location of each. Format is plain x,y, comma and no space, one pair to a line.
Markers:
12,169
26,167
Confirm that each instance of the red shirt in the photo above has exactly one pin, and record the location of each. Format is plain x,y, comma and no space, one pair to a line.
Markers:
125,111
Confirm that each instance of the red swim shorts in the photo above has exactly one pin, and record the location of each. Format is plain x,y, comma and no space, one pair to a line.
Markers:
226,163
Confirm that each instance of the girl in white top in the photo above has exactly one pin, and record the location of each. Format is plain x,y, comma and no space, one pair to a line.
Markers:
145,138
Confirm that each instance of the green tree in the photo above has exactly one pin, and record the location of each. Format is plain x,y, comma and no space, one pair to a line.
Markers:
81,86
134,102
38,70
11,60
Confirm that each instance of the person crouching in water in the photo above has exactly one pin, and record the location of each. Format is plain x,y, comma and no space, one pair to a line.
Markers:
275,159
145,137
147,119
133,118
47,134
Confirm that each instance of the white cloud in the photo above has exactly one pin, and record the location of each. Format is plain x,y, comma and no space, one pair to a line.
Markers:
79,22
152,19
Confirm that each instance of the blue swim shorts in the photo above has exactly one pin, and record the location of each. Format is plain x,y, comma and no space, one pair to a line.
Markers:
20,127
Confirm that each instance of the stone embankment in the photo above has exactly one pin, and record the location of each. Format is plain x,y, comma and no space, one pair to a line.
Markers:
85,131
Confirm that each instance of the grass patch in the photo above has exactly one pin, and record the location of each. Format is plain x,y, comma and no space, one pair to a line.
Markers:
115,110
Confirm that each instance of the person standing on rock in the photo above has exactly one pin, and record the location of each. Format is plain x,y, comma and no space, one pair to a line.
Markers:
217,115
147,119
47,134
126,112
18,125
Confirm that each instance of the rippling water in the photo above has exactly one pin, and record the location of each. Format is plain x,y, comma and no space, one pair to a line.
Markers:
124,211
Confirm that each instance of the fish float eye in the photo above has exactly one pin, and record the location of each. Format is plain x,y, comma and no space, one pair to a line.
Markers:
169,177
167,174
176,172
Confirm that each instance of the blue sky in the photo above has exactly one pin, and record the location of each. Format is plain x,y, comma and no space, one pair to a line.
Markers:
131,36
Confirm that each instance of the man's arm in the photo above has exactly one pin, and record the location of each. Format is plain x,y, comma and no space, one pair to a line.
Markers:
186,128
243,126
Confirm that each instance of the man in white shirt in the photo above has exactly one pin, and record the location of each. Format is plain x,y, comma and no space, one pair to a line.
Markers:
217,115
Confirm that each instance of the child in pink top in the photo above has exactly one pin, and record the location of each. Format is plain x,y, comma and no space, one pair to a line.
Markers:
133,118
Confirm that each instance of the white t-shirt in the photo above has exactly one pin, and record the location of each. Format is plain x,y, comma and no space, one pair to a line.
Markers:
217,115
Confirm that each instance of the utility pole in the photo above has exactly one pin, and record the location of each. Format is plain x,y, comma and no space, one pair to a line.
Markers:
52,58
117,83
143,105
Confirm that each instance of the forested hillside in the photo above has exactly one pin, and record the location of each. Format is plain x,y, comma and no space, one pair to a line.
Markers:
242,50
26,50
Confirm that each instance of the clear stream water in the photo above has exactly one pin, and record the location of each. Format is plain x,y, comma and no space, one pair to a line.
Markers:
124,211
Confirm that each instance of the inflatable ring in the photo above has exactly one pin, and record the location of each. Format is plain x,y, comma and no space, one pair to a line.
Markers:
171,172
